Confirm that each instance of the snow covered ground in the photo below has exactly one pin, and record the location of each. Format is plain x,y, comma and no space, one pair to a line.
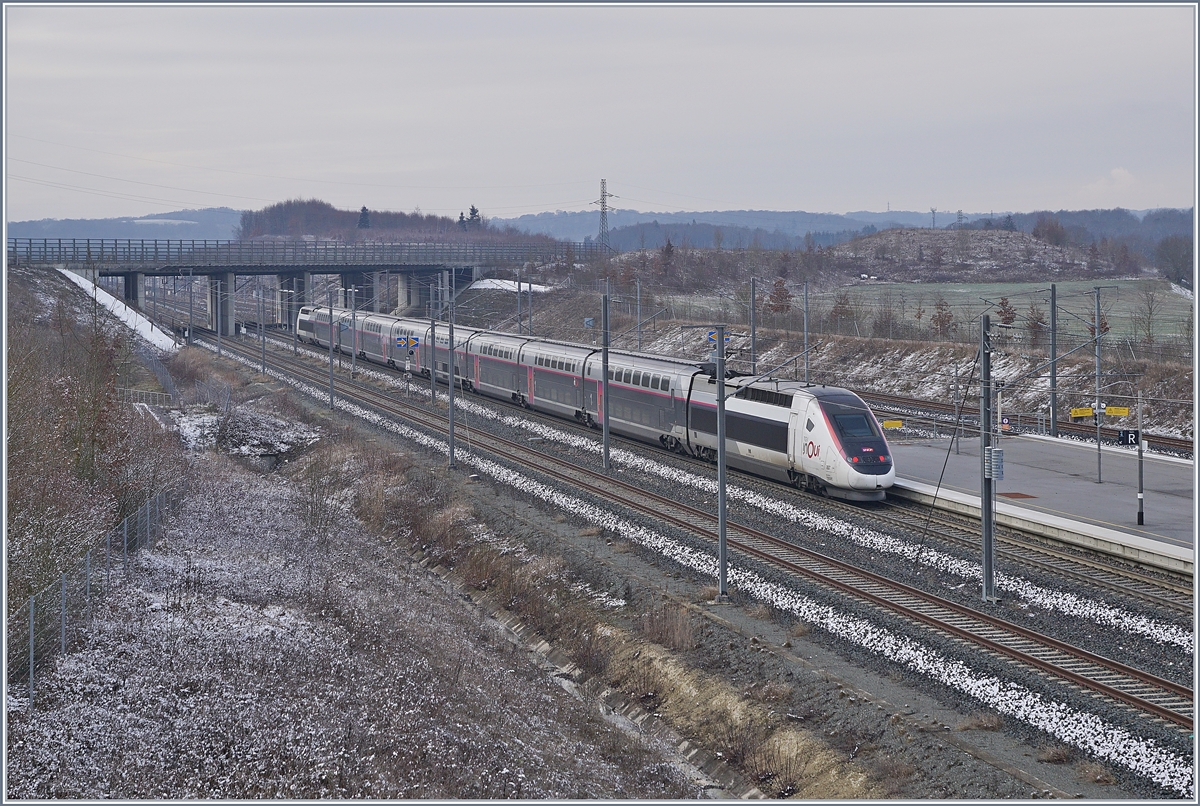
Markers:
136,322
506,285
250,657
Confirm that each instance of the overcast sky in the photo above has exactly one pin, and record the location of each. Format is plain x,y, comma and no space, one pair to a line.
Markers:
116,111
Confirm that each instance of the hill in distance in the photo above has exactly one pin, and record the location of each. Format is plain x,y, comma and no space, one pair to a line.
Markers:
212,223
1141,231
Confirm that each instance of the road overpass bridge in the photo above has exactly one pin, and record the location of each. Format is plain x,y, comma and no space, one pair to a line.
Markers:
383,276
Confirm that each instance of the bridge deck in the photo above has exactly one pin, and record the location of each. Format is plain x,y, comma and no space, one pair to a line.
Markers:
117,256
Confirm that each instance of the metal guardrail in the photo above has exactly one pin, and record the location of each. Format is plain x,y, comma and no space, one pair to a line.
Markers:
143,396
131,254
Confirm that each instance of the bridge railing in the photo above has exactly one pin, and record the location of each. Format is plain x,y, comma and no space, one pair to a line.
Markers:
164,253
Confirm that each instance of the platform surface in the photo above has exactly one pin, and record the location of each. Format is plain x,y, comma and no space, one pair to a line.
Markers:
1058,478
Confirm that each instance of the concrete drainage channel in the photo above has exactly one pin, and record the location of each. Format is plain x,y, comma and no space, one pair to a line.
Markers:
709,773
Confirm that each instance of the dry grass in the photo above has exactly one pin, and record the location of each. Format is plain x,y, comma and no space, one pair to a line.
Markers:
985,720
591,650
709,593
644,681
738,736
800,629
1096,773
590,531
778,772
190,364
1056,754
894,772
668,625
771,691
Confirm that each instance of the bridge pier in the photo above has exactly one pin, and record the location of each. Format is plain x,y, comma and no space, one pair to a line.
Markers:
220,293
364,296
380,293
135,290
404,292
294,291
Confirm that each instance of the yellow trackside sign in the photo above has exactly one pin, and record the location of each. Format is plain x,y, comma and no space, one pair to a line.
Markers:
1117,411
1083,412
893,424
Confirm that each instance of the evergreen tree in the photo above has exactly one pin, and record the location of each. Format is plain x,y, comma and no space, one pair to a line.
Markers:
364,218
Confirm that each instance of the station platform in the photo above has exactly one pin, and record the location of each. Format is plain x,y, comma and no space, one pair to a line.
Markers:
1050,488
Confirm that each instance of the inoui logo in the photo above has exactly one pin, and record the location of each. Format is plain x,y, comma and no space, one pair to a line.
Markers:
812,450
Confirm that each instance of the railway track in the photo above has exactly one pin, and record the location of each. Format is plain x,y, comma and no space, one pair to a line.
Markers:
1144,694
1023,552
907,406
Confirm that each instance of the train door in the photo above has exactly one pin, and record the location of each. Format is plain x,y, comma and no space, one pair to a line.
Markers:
793,436
809,442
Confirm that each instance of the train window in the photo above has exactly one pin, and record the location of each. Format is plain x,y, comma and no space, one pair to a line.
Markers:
854,425
628,376
654,381
637,378
809,425
645,379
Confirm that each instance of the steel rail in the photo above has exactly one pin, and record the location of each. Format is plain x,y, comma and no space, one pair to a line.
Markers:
693,520
905,515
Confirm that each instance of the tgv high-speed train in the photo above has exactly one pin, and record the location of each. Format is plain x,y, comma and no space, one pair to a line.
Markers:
822,438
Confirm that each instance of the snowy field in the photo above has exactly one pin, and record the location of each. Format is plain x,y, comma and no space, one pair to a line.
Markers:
253,657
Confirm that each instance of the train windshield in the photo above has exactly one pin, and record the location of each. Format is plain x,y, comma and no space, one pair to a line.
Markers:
851,420
854,425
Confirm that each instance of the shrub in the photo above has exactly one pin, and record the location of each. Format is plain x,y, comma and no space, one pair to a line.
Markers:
668,625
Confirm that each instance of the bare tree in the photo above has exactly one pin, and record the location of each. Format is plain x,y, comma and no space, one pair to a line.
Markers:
1035,326
884,322
841,310
943,317
1008,314
1145,314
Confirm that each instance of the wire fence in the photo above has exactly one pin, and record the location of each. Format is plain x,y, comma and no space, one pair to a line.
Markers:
146,355
57,618
857,318
217,394
143,396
